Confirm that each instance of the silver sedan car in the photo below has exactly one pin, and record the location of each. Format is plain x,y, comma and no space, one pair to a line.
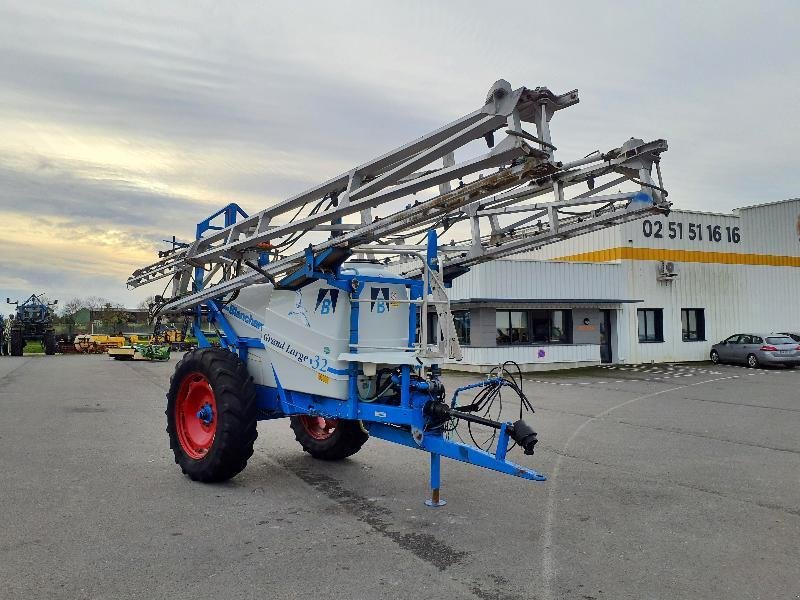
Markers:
754,349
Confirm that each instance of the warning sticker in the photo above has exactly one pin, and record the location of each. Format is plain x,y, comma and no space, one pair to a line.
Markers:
393,303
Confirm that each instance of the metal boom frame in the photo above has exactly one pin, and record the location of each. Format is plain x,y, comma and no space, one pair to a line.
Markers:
258,248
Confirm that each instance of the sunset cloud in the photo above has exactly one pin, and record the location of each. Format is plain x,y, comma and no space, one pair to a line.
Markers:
125,123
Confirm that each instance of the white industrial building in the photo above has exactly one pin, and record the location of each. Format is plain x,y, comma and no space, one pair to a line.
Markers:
660,289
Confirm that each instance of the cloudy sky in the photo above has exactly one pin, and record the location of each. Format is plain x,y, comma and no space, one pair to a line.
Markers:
122,124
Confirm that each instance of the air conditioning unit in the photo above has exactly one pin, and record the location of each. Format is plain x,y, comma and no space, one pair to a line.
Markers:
666,271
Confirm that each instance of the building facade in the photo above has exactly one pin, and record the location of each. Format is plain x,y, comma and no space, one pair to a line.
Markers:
656,290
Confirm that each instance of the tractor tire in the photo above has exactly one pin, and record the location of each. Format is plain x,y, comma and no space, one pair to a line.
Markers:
211,415
49,343
328,439
16,343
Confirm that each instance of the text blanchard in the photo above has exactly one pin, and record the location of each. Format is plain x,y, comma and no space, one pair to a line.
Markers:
242,316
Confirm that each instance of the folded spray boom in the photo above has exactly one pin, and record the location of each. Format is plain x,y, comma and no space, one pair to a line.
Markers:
320,302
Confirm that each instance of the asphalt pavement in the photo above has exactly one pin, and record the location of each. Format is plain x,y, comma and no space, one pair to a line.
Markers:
665,481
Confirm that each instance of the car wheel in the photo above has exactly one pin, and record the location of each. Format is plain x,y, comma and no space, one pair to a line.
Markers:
752,361
715,357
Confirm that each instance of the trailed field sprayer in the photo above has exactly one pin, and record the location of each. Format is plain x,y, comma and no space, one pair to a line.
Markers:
321,301
32,321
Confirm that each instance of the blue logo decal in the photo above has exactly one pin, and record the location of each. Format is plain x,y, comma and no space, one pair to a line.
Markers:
326,301
382,305
243,316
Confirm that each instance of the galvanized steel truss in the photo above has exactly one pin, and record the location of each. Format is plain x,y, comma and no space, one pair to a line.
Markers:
495,203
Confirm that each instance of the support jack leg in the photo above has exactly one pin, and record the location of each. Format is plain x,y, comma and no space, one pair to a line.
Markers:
435,500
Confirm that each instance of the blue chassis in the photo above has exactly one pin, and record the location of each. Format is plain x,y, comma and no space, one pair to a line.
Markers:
388,422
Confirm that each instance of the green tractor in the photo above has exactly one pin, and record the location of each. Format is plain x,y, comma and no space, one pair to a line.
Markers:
33,320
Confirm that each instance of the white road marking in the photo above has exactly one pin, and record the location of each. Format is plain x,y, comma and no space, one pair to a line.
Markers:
549,569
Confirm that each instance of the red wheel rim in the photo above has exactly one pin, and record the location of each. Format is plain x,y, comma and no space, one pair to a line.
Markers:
196,415
319,428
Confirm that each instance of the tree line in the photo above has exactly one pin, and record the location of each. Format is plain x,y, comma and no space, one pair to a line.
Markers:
114,313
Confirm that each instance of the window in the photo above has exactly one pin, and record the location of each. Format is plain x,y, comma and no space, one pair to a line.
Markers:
512,326
433,328
693,324
540,326
561,327
461,321
651,321
533,326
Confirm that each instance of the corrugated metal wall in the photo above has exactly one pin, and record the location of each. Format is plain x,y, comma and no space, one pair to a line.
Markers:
743,269
515,280
747,285
605,238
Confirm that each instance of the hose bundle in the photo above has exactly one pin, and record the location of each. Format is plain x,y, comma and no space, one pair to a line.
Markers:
488,403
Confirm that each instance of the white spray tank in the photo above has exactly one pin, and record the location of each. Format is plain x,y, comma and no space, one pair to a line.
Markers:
305,331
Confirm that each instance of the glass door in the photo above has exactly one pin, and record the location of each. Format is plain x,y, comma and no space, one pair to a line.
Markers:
605,336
